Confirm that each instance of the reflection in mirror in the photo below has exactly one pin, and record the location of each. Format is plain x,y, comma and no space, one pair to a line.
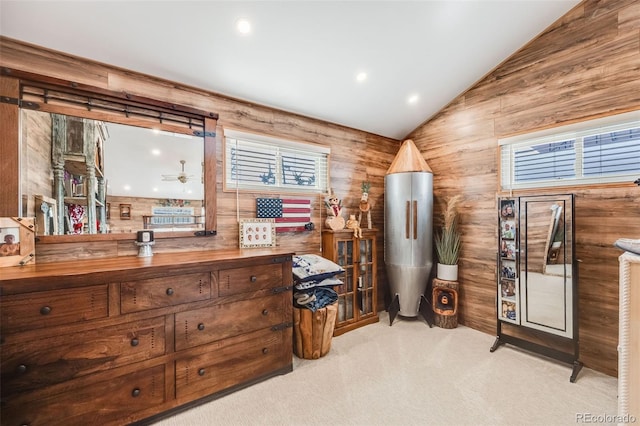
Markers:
547,263
77,173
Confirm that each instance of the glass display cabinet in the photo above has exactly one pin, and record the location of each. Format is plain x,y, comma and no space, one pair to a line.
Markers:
357,295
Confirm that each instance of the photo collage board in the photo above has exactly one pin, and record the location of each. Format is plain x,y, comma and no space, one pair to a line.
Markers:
508,297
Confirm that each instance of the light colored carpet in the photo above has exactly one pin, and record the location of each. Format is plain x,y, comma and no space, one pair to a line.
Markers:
410,374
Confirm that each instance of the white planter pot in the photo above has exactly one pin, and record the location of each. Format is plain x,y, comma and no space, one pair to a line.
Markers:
447,272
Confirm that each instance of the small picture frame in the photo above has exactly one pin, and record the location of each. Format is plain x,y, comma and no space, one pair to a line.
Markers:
125,211
17,241
508,229
257,232
507,209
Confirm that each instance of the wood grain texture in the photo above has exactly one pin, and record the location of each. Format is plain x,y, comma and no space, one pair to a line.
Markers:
374,154
9,150
585,65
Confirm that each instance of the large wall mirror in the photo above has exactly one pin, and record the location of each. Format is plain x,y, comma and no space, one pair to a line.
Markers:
85,176
95,162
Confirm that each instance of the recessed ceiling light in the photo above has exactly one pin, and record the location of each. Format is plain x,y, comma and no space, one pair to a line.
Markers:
155,152
243,26
155,189
413,99
362,76
127,188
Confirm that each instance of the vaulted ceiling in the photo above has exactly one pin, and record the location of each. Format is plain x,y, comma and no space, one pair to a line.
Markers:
304,56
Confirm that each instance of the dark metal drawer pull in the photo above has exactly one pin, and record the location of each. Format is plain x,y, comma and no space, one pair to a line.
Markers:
21,369
253,278
201,372
169,291
265,312
201,326
45,310
135,393
135,341
265,350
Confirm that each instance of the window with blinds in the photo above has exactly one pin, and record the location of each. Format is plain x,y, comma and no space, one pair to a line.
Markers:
604,150
263,163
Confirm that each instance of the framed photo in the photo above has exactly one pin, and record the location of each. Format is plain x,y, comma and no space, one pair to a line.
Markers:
125,211
257,233
17,241
507,209
508,229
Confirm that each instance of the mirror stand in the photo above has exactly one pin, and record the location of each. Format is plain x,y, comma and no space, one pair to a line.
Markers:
537,282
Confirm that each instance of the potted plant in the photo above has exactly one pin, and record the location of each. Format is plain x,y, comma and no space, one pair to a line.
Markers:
448,242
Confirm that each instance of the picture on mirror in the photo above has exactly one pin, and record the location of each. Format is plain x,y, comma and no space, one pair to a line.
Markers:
507,288
507,209
508,310
508,249
508,229
508,270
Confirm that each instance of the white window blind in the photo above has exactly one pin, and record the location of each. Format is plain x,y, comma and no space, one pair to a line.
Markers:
263,163
596,151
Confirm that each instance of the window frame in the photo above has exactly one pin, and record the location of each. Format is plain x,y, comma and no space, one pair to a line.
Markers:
576,133
280,145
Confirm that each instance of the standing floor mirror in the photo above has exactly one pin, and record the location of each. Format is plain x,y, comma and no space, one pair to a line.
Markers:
537,305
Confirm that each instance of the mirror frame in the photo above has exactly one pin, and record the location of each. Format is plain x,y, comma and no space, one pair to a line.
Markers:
13,98
540,204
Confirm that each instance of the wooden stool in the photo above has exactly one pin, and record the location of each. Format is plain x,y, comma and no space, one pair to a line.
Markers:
312,331
445,303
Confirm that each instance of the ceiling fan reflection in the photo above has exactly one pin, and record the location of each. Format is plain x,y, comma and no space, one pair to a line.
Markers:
181,177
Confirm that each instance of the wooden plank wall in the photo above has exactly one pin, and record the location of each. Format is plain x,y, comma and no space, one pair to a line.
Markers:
584,66
356,156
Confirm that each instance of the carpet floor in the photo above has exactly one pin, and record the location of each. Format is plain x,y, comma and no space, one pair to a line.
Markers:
410,374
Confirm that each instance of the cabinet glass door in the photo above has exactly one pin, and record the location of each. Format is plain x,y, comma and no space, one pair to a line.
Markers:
345,259
365,277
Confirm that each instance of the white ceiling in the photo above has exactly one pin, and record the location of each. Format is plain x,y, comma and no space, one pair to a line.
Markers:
300,56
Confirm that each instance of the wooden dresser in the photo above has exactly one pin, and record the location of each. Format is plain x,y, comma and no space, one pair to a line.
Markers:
116,341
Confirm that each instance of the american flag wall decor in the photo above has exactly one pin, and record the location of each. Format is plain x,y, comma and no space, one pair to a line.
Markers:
291,215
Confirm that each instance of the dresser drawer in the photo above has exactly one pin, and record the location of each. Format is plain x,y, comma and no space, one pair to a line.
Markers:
247,279
213,323
50,308
166,291
221,368
110,398
45,361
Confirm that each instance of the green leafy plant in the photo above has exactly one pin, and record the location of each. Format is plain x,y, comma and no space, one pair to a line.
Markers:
448,239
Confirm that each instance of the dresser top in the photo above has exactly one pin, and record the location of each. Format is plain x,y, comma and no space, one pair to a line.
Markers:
132,267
